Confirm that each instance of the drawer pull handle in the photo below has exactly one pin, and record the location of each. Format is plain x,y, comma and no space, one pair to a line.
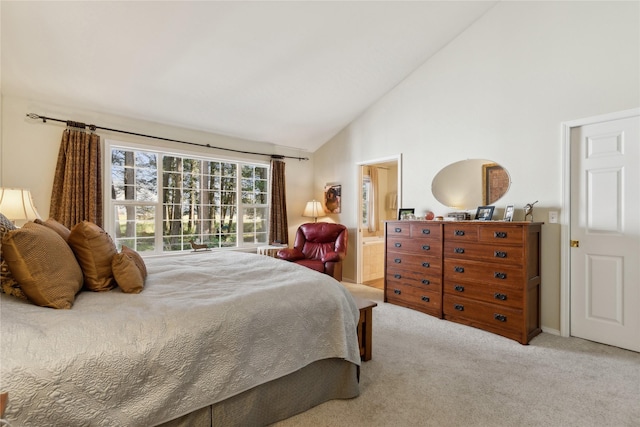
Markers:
500,254
458,250
458,269
426,247
398,245
459,288
425,299
458,307
426,265
500,317
499,275
397,291
501,297
397,260
397,276
500,234
426,231
398,230
459,232
426,281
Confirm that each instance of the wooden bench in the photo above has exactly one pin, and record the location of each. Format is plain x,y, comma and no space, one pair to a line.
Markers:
365,325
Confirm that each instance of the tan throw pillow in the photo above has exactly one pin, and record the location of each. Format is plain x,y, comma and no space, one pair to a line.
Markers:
137,259
8,284
43,264
55,226
94,250
127,273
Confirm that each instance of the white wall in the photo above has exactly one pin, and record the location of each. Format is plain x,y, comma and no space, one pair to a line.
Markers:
29,150
500,91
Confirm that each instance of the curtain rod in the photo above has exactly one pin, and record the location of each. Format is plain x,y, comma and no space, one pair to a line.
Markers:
94,127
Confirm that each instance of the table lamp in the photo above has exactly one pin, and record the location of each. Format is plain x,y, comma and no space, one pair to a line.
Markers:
313,210
17,205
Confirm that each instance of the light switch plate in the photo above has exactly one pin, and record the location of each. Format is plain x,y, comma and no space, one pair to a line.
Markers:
553,217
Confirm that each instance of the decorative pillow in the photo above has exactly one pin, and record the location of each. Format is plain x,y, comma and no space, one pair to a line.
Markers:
94,250
137,259
55,226
127,273
43,264
8,284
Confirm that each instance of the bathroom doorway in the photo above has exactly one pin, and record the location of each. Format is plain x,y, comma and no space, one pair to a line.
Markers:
379,197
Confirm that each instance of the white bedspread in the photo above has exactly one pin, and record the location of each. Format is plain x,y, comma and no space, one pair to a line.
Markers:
206,327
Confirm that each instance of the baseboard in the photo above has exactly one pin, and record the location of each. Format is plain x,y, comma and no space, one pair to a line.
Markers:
550,331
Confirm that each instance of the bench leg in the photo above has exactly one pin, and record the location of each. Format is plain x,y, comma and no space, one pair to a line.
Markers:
365,332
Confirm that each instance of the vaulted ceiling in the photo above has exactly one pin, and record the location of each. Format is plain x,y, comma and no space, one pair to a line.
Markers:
289,73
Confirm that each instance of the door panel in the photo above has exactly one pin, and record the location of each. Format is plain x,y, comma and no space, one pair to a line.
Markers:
605,219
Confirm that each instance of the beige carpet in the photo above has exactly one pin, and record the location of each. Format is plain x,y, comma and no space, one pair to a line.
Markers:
430,372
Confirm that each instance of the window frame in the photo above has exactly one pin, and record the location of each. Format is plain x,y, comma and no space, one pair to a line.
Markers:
109,203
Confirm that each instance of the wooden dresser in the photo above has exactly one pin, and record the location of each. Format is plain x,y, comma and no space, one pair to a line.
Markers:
413,265
481,274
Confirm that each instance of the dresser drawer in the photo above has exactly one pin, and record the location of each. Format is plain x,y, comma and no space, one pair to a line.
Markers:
429,279
421,264
499,295
476,271
426,229
501,234
477,313
461,232
399,229
415,297
484,252
431,247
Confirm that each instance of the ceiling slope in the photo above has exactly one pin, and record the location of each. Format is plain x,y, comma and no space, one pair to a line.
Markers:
288,73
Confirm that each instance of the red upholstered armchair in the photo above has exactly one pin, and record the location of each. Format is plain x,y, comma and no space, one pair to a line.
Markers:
320,246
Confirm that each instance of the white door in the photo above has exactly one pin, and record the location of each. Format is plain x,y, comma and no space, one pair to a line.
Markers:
605,232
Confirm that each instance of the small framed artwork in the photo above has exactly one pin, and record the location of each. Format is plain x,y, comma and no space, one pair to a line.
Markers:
508,213
484,213
405,213
332,198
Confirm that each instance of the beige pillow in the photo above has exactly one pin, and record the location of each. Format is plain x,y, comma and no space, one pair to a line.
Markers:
55,226
94,250
43,264
137,259
127,273
8,284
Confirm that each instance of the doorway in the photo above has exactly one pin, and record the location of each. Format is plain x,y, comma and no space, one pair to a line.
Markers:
379,187
601,241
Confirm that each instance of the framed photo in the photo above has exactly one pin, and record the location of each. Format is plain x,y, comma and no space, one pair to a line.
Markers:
332,198
484,213
403,213
508,213
495,182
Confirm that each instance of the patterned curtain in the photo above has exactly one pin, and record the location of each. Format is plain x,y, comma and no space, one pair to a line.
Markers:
77,184
278,225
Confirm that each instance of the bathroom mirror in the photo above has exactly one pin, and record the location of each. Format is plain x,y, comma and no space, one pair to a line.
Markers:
470,183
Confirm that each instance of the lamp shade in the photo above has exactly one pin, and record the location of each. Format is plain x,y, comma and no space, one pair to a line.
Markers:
313,209
17,205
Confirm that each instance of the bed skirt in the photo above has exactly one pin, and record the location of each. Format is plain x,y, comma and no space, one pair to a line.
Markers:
281,398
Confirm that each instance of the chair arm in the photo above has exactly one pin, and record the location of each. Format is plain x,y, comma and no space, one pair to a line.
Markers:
290,254
333,257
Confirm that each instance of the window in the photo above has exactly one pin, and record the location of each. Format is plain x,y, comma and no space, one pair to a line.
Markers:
366,189
160,201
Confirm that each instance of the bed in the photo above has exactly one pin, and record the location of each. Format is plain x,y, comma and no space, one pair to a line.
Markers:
215,338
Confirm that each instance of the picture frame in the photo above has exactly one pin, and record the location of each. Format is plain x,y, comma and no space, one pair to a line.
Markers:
332,202
403,212
508,213
495,182
484,213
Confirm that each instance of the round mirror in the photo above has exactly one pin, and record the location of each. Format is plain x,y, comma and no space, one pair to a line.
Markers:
467,184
